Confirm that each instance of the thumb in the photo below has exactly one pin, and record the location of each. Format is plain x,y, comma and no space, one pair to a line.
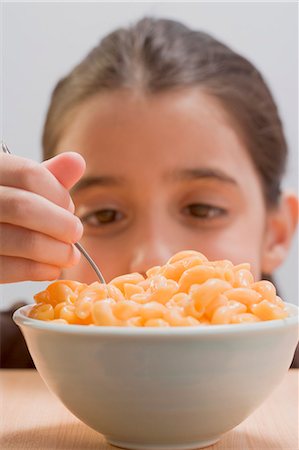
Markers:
67,168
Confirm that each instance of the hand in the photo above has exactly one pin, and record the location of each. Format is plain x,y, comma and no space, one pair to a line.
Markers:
37,224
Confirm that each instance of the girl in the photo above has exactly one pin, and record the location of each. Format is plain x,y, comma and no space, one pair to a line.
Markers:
184,149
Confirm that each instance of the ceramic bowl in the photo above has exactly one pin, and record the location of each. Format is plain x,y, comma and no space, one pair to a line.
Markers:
161,388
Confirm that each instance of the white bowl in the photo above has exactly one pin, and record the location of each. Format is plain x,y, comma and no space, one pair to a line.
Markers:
161,388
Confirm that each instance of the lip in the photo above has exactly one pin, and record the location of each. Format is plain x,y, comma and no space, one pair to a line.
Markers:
21,318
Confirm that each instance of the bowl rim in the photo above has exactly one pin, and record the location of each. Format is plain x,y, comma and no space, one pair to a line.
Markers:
21,318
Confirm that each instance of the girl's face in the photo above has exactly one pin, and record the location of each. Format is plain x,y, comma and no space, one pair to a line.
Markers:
165,172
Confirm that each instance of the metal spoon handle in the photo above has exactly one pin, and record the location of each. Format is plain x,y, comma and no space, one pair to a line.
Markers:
91,262
5,149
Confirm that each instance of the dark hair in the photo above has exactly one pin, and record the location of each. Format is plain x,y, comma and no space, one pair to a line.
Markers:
156,55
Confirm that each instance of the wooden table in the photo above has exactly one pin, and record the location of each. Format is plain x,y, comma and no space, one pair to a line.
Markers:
33,418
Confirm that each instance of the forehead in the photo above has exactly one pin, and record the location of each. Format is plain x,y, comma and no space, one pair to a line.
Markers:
135,133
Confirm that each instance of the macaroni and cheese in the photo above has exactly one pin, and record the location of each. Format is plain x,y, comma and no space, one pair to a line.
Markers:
188,290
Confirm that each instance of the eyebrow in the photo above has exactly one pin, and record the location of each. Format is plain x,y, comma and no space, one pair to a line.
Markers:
104,180
175,175
200,173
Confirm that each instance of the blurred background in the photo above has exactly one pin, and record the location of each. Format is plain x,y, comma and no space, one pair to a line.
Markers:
41,42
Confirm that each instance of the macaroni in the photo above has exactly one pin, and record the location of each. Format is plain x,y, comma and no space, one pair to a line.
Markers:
188,290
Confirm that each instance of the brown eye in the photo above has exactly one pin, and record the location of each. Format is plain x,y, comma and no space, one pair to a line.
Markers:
203,211
102,217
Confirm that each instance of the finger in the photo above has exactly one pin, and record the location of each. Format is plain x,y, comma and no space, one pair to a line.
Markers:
23,243
14,269
67,168
29,210
28,175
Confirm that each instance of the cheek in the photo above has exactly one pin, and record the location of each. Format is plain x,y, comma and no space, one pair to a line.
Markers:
236,250
240,240
239,243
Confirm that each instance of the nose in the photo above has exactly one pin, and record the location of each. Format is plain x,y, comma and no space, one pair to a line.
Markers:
149,253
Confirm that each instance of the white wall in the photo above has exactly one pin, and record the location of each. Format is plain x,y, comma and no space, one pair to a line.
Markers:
42,41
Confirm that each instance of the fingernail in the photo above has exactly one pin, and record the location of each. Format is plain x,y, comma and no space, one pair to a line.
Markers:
77,254
79,229
71,206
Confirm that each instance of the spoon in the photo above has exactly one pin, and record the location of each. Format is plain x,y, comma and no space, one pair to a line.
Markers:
5,149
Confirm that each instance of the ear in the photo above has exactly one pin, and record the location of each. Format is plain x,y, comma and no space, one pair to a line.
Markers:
281,224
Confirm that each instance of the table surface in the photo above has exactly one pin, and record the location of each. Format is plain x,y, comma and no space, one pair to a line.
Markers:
33,418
